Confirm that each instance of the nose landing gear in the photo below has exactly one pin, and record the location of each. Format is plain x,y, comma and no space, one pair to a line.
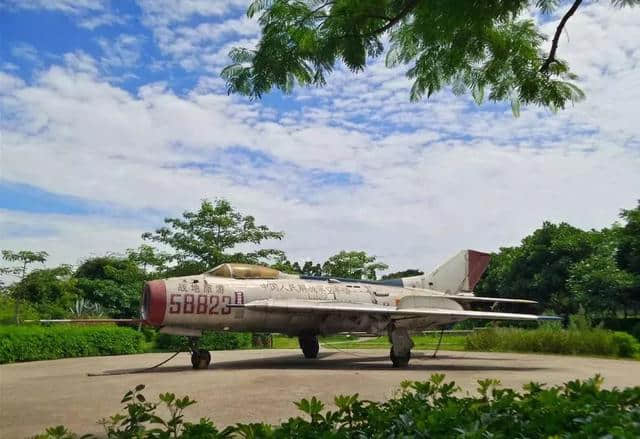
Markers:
200,358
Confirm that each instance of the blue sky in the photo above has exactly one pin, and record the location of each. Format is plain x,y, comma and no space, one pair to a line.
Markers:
114,116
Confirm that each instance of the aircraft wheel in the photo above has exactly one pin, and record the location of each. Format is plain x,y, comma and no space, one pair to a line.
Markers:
200,359
309,345
401,361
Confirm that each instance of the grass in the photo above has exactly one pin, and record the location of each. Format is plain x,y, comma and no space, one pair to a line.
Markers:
451,342
551,340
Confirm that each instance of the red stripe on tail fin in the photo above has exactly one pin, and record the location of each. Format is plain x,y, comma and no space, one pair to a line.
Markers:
478,263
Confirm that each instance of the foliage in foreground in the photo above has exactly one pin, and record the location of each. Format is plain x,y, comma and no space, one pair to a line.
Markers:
31,342
577,409
554,340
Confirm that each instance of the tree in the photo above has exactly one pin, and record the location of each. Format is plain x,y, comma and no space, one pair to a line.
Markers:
284,265
50,291
538,269
115,283
400,274
628,252
147,256
25,258
484,48
311,269
599,285
205,236
352,265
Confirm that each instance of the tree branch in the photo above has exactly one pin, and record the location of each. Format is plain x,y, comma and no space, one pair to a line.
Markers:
554,43
403,13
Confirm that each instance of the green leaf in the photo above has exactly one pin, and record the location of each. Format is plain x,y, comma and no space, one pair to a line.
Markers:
478,94
515,107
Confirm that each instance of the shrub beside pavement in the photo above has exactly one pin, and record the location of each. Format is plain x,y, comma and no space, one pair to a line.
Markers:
33,342
433,409
553,340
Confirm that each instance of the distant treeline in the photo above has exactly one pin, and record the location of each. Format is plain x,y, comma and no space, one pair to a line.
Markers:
564,268
567,269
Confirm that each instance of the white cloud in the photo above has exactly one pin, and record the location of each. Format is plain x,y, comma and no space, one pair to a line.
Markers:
164,12
94,21
67,238
66,6
122,52
204,45
436,176
89,14
25,52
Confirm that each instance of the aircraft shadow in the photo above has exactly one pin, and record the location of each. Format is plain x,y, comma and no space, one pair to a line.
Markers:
362,362
419,362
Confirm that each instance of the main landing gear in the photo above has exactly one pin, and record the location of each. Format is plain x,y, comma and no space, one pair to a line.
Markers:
309,345
401,345
200,358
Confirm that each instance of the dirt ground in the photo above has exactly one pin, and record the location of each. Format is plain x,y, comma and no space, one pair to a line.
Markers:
258,385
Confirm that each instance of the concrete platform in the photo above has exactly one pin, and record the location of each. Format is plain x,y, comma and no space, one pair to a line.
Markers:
258,385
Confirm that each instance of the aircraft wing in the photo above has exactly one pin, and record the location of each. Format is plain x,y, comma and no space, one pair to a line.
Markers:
312,306
124,321
470,298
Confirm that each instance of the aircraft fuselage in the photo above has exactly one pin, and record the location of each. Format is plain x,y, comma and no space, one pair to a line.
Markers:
205,302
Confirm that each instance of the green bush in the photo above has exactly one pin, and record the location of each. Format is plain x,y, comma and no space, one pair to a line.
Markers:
211,341
431,409
7,311
554,340
630,325
32,342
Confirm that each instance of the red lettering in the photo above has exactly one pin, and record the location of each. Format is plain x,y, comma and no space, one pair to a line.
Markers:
202,304
226,309
174,305
214,301
188,304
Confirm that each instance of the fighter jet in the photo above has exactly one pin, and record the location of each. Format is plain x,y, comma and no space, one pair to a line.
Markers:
243,297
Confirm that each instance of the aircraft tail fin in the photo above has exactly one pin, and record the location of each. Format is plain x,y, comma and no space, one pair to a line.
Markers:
457,275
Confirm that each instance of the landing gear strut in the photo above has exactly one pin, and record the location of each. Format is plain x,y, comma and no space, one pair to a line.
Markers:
401,345
309,345
200,358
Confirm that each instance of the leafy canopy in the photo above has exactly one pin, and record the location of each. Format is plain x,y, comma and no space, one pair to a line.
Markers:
25,258
206,236
114,283
565,268
485,47
352,265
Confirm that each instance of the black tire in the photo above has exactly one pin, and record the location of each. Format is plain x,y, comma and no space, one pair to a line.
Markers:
399,361
309,345
200,359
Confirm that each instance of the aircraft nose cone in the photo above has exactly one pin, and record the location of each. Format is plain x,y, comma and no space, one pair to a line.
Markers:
154,302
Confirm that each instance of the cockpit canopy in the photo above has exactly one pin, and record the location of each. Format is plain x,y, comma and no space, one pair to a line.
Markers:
244,271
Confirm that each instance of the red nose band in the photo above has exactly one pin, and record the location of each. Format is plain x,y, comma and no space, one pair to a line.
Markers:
155,302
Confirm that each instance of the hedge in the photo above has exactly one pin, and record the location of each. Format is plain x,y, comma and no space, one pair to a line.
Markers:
431,409
553,340
32,342
630,325
211,341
